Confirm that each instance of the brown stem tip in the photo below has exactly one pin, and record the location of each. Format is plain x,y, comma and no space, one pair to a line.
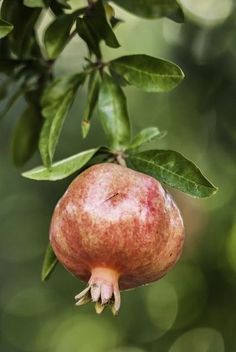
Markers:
102,289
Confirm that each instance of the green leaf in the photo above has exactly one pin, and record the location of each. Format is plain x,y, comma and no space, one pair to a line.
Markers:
62,168
56,102
58,7
99,25
49,263
174,170
57,35
153,8
119,79
64,3
36,3
16,95
25,137
84,31
5,28
115,22
94,27
148,73
145,136
22,38
92,98
113,113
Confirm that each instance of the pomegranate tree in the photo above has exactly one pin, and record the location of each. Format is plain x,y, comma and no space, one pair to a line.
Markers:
115,228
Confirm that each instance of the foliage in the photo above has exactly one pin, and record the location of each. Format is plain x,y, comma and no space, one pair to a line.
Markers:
50,99
50,261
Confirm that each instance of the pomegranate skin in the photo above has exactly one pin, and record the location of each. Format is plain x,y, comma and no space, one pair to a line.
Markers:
116,220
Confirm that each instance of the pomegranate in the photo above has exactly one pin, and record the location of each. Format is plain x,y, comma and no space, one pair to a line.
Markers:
116,229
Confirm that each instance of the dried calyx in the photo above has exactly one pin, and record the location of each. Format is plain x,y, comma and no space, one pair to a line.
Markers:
103,290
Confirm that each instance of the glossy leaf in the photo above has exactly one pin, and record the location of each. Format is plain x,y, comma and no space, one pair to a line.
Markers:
36,3
148,73
94,27
5,28
64,3
57,34
145,136
174,170
100,26
11,101
113,113
109,11
153,8
84,31
22,38
56,102
115,22
92,97
49,263
62,168
25,137
58,7
120,80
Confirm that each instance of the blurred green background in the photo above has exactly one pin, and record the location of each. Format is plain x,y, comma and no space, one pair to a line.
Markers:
194,307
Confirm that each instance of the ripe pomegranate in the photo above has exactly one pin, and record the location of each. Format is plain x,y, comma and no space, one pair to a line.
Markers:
116,229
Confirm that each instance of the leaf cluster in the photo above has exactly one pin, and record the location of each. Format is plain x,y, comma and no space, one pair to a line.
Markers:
28,66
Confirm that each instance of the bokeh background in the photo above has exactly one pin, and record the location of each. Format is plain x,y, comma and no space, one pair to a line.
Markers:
194,307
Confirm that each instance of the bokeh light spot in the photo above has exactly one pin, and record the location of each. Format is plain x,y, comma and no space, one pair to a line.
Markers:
210,12
162,306
199,340
190,286
33,301
83,334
